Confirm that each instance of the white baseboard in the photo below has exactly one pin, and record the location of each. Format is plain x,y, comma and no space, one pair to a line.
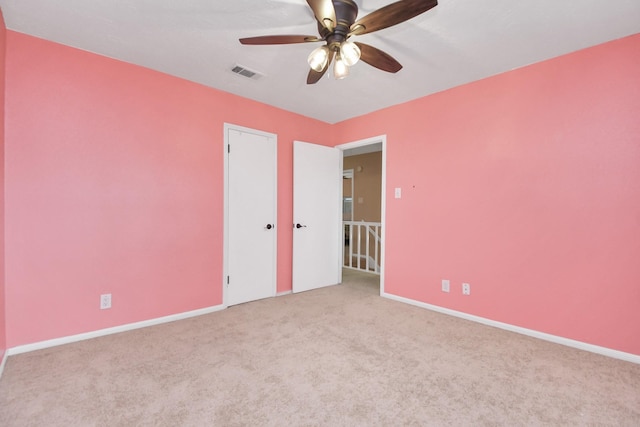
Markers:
4,361
281,294
117,329
628,357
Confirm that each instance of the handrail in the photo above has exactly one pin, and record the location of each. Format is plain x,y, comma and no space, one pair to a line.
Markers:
371,264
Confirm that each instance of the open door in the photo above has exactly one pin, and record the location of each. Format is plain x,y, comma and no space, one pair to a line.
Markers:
317,216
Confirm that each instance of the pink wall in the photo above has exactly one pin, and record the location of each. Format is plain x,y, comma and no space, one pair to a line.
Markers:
114,183
3,44
527,186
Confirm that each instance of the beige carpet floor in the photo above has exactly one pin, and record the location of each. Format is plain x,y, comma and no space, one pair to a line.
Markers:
338,356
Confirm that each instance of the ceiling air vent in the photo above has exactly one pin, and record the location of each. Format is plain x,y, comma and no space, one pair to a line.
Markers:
243,71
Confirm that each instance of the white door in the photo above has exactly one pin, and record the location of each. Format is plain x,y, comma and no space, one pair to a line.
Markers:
317,216
251,215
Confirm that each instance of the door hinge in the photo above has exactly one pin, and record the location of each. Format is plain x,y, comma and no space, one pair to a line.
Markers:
227,280
228,148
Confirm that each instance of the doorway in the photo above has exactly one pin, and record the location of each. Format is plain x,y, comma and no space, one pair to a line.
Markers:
347,194
364,209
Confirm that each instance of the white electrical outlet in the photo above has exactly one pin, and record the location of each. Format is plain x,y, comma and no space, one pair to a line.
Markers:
445,285
105,301
466,289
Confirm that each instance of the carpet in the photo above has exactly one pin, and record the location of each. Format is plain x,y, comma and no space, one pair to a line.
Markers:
336,356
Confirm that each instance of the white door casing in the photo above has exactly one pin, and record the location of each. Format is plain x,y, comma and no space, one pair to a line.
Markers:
382,140
250,215
317,216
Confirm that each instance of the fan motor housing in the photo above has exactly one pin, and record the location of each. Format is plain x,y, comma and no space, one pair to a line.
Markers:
346,13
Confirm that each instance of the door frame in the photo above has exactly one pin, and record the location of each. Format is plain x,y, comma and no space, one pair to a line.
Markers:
225,249
351,175
381,139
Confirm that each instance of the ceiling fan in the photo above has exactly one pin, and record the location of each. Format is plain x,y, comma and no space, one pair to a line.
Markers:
336,24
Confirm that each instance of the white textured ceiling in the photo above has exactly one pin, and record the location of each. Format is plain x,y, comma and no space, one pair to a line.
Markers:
457,42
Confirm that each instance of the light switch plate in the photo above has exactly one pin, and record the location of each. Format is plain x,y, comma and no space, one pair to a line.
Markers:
105,301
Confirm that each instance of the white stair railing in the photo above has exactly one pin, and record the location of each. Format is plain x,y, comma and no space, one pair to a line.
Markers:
362,243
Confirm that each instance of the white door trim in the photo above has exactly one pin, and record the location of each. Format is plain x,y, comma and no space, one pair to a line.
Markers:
383,196
225,250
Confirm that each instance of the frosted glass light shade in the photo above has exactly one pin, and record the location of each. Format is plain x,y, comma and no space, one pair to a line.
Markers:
350,53
340,69
318,58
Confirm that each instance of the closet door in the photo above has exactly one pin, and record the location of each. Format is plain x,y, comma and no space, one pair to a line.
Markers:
251,215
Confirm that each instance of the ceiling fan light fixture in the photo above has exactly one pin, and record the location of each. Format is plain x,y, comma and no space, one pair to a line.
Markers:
318,58
340,68
350,53
336,22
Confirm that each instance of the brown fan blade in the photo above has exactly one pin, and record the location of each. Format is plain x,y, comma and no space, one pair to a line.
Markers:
315,76
286,39
325,12
390,15
377,58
